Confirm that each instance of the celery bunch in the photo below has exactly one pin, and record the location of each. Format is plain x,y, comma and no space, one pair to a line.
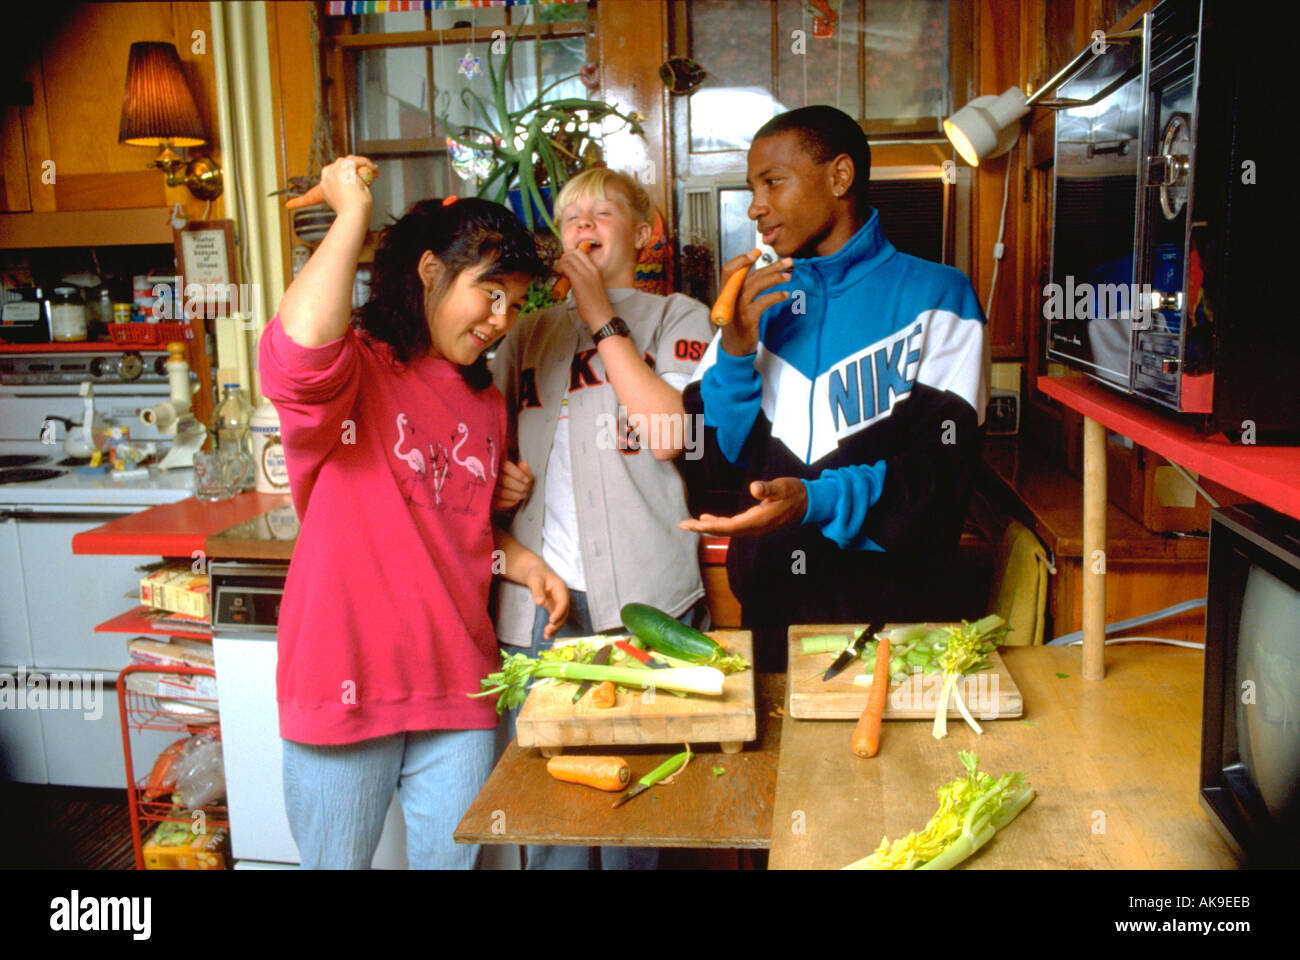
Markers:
968,649
971,810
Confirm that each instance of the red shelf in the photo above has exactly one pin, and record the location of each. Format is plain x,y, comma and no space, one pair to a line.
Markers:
137,621
84,346
1268,474
174,529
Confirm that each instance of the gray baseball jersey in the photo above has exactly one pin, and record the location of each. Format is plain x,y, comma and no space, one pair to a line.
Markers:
628,503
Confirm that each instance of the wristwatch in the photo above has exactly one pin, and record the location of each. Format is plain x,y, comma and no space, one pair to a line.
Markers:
615,328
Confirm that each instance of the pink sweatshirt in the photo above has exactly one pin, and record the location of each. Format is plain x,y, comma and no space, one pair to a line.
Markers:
384,626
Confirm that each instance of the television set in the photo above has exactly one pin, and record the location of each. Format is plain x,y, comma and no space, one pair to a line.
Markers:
1250,734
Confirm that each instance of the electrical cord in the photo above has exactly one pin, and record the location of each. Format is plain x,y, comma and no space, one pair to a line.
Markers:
999,248
1140,621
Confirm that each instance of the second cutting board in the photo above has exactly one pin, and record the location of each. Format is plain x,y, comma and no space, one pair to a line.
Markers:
990,694
550,720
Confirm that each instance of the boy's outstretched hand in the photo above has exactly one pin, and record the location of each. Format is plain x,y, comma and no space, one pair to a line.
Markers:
783,503
513,486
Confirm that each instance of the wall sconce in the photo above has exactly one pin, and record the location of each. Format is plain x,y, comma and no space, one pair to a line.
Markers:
158,110
986,127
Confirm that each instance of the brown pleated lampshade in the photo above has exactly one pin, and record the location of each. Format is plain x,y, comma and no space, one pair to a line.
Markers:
158,107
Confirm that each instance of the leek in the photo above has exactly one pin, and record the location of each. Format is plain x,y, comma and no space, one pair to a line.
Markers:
511,681
971,810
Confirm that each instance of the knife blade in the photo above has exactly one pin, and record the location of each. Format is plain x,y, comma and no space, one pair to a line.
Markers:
852,651
599,660
665,769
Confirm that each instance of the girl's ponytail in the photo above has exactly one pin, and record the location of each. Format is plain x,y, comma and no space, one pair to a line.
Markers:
461,234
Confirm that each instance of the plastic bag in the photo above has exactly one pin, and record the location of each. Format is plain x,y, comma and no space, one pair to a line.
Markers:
201,773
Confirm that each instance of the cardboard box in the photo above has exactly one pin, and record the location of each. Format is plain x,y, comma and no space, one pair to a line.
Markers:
1155,494
176,587
174,653
204,851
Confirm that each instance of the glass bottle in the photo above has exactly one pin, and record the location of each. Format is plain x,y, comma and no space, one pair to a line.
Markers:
231,425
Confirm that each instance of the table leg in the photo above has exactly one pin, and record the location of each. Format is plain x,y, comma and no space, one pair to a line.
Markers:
1094,550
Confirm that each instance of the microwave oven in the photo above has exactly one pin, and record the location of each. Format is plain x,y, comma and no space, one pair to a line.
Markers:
1163,245
1250,733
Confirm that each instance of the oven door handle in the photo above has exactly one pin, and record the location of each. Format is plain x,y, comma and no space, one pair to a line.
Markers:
51,516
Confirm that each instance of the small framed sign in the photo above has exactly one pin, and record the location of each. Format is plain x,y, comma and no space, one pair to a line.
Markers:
205,254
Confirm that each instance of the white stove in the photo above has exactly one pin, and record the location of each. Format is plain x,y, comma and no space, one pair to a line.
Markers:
50,599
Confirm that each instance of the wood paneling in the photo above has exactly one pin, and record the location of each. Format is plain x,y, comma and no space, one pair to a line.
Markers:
292,101
633,37
78,83
15,196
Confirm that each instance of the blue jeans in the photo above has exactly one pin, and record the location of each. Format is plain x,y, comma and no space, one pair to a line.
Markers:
577,858
337,797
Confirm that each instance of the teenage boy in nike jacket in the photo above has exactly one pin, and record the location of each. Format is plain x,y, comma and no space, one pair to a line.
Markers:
850,391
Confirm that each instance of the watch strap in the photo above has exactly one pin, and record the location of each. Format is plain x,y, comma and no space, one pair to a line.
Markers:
615,328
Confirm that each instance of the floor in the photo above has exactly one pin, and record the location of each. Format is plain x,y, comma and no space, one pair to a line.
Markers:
74,828
64,828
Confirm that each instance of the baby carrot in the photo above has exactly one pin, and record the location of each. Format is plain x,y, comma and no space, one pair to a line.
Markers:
866,735
317,193
560,289
724,310
603,773
604,695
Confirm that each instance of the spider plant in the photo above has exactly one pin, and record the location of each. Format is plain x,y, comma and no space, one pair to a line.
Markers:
544,142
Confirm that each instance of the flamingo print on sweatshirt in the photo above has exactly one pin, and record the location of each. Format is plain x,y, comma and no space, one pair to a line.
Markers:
423,475
473,464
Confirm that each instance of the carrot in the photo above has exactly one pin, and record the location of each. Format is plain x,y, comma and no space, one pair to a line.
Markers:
866,735
603,773
317,193
560,289
724,310
604,695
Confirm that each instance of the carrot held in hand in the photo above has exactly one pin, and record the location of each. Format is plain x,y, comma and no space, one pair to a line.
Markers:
866,735
560,289
603,773
316,194
724,310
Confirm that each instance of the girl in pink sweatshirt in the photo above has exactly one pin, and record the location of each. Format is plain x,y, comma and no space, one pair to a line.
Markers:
394,438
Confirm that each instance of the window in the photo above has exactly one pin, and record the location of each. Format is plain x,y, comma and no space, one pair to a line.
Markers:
400,75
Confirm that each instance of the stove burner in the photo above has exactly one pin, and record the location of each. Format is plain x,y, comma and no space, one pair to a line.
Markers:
27,475
20,459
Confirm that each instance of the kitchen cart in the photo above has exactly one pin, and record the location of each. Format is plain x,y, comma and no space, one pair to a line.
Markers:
187,716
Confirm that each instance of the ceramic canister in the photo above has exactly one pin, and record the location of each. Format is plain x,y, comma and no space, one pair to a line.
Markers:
272,474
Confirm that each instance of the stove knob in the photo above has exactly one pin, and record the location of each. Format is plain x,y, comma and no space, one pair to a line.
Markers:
132,366
160,366
97,367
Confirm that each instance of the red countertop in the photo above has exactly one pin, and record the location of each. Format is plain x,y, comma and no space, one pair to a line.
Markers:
174,529
1269,474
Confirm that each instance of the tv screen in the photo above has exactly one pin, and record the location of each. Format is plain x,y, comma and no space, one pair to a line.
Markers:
1268,687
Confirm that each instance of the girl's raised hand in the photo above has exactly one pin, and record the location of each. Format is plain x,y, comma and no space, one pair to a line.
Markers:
344,188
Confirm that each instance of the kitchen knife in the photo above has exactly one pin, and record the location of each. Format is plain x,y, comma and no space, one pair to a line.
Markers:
640,655
852,651
599,660
665,769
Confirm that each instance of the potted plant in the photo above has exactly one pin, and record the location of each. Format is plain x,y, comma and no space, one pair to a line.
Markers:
539,145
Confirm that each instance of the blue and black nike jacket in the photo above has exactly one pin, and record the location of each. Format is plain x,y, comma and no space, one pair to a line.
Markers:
869,383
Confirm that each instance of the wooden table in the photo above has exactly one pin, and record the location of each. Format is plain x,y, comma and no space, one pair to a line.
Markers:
1115,766
521,803
1269,474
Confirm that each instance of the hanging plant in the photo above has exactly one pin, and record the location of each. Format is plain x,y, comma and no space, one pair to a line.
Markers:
539,145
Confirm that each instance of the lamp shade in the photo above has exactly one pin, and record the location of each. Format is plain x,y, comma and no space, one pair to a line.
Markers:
158,107
986,127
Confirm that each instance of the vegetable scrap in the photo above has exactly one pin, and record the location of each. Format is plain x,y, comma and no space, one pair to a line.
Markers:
971,810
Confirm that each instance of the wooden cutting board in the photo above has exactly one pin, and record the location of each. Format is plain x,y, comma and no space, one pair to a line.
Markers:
991,694
551,720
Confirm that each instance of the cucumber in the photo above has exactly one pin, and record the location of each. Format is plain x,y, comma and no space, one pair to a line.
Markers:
667,635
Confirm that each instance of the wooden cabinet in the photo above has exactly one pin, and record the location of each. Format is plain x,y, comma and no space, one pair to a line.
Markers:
60,152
